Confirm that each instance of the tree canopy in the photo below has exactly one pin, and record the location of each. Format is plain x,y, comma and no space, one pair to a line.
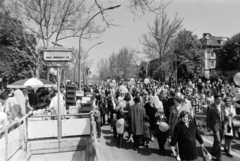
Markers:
17,48
228,57
188,47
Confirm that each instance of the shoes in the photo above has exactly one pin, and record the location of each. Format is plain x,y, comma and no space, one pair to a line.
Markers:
162,152
136,149
229,155
219,159
213,154
178,158
130,140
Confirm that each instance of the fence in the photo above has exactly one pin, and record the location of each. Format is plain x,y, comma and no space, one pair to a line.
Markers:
49,133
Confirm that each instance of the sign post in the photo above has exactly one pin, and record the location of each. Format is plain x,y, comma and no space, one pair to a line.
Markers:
57,57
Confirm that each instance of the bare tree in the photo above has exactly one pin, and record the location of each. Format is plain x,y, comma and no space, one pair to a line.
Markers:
72,69
53,19
158,42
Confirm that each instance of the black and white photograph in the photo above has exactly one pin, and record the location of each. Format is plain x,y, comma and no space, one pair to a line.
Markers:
119,80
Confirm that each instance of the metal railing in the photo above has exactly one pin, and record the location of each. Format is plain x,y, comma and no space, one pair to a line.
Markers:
18,134
12,138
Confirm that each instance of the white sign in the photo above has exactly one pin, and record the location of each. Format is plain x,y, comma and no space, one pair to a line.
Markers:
57,55
79,93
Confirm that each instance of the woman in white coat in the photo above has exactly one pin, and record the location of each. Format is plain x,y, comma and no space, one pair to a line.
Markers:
228,128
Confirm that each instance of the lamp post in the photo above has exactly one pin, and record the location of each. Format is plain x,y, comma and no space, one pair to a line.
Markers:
80,37
178,67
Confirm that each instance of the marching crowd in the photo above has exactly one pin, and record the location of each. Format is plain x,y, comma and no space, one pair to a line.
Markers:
146,110
149,109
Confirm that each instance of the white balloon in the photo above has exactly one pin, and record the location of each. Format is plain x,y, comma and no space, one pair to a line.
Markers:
55,72
51,70
236,79
146,81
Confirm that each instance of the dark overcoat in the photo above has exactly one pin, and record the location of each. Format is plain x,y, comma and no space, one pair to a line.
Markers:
215,119
136,115
186,139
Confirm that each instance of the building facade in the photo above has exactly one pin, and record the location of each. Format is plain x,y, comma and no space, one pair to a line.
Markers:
210,45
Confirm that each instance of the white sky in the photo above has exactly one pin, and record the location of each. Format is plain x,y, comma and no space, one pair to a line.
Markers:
218,17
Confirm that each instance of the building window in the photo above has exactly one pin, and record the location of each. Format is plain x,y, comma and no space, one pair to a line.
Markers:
212,54
208,51
212,64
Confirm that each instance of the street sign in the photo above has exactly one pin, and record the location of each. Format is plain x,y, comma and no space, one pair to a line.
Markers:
79,93
57,54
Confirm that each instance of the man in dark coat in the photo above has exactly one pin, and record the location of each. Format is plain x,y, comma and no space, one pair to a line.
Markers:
215,119
136,116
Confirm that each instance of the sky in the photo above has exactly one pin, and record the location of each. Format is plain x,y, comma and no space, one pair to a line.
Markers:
218,17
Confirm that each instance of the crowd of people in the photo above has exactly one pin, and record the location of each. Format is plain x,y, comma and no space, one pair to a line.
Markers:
16,103
145,110
150,109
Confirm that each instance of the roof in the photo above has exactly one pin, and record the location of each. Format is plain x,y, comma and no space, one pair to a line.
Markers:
213,41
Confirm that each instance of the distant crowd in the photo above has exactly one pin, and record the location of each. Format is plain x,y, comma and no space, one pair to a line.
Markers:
150,109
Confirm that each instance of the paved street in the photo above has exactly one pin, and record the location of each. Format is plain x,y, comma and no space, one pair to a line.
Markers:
110,152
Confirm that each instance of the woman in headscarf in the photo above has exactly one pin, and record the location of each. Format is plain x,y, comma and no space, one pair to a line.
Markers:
16,106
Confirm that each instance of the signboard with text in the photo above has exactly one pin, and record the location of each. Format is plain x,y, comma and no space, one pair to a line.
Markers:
57,54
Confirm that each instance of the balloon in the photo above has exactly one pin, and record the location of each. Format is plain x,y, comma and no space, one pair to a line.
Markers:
132,80
163,126
55,72
123,89
236,79
237,97
146,81
51,70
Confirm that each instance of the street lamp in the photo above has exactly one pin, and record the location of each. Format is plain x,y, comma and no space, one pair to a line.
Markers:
178,67
80,37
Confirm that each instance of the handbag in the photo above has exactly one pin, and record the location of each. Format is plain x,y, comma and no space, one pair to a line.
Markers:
236,121
206,155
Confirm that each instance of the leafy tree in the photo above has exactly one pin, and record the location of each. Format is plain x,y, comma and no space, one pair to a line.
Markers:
228,57
17,47
188,47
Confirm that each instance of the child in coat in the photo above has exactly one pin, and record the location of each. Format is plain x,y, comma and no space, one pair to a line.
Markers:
120,126
146,134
